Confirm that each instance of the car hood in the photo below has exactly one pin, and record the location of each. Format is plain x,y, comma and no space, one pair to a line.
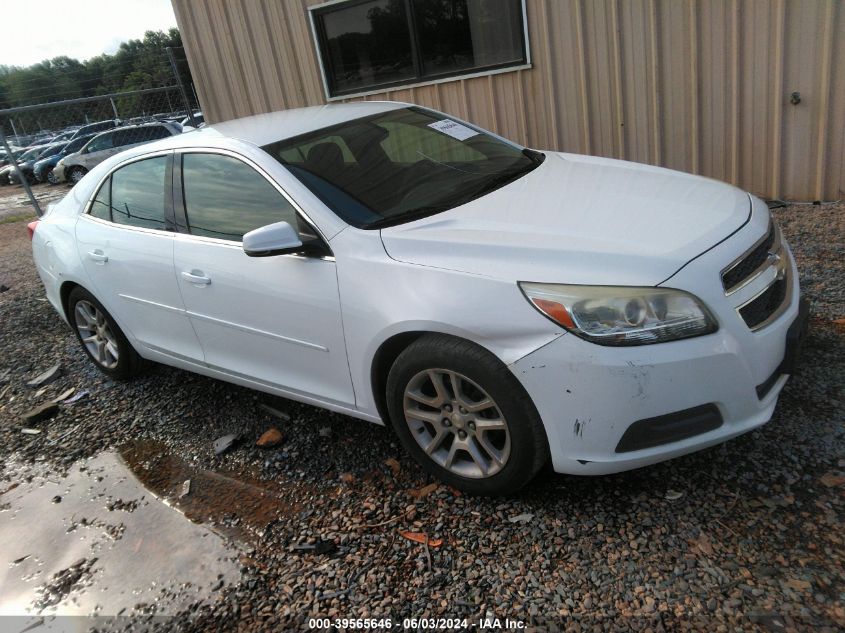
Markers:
580,220
47,161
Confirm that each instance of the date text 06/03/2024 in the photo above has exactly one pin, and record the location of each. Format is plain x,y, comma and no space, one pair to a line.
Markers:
456,624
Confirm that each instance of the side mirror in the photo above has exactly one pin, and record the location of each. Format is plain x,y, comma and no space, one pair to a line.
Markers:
279,238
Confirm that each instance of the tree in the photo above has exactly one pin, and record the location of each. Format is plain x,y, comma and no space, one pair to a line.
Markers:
137,64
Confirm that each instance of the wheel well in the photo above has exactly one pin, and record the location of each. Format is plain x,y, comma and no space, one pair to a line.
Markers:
383,360
64,295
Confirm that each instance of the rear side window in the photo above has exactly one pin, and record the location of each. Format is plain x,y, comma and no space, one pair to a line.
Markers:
100,206
131,136
225,198
137,193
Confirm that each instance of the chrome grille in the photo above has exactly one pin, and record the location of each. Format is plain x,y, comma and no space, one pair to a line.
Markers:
751,263
759,310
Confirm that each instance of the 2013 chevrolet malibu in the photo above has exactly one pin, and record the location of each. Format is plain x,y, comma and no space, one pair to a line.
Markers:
499,306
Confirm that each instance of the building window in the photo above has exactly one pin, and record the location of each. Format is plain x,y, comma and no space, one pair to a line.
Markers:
372,44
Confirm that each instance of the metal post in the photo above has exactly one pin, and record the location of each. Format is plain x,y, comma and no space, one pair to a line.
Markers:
114,108
15,132
181,86
21,177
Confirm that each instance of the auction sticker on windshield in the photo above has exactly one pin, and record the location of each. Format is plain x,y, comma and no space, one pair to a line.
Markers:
453,129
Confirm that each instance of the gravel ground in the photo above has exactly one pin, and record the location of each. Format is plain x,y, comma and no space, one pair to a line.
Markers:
741,536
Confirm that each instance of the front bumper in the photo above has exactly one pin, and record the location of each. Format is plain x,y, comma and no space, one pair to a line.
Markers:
59,172
703,390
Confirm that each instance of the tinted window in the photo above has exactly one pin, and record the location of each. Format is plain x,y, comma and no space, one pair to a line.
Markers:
368,44
159,132
76,144
406,163
96,127
99,143
137,193
100,206
226,198
468,34
49,150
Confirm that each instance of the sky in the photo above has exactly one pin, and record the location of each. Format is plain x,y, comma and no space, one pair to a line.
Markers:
35,31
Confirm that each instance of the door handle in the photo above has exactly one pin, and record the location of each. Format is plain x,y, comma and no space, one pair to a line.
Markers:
196,277
98,256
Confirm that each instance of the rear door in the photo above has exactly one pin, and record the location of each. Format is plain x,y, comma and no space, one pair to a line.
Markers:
274,320
125,241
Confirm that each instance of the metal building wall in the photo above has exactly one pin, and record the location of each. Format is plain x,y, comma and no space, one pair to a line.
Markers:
702,86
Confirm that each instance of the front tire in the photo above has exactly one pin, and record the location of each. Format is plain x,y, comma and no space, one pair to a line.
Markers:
51,177
100,337
464,417
75,174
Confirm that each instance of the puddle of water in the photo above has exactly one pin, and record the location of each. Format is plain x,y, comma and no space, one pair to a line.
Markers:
97,542
239,505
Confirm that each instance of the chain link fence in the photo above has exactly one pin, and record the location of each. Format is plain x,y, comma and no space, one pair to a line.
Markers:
50,144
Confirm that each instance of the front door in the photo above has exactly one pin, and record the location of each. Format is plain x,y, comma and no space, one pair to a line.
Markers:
275,320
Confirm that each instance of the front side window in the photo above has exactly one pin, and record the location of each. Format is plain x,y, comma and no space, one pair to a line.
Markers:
137,193
226,198
76,144
367,44
100,143
405,164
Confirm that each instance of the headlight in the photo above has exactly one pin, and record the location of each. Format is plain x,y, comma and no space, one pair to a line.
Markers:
621,315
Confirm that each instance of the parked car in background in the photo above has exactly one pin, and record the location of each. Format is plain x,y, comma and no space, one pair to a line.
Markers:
66,134
4,157
27,167
74,166
199,121
43,167
28,154
501,307
94,128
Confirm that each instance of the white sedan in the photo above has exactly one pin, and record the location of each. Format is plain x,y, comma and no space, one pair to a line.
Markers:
500,307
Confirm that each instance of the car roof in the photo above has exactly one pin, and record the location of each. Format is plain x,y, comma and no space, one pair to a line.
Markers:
263,129
258,130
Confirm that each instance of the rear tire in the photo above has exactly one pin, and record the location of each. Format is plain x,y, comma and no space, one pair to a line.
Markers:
483,436
100,337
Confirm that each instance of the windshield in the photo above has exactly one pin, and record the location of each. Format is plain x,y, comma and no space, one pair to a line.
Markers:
30,154
401,165
50,150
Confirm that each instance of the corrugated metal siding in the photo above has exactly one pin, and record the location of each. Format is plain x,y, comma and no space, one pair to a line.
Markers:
701,86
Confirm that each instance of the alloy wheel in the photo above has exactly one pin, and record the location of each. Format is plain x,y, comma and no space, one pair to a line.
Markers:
96,334
456,423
